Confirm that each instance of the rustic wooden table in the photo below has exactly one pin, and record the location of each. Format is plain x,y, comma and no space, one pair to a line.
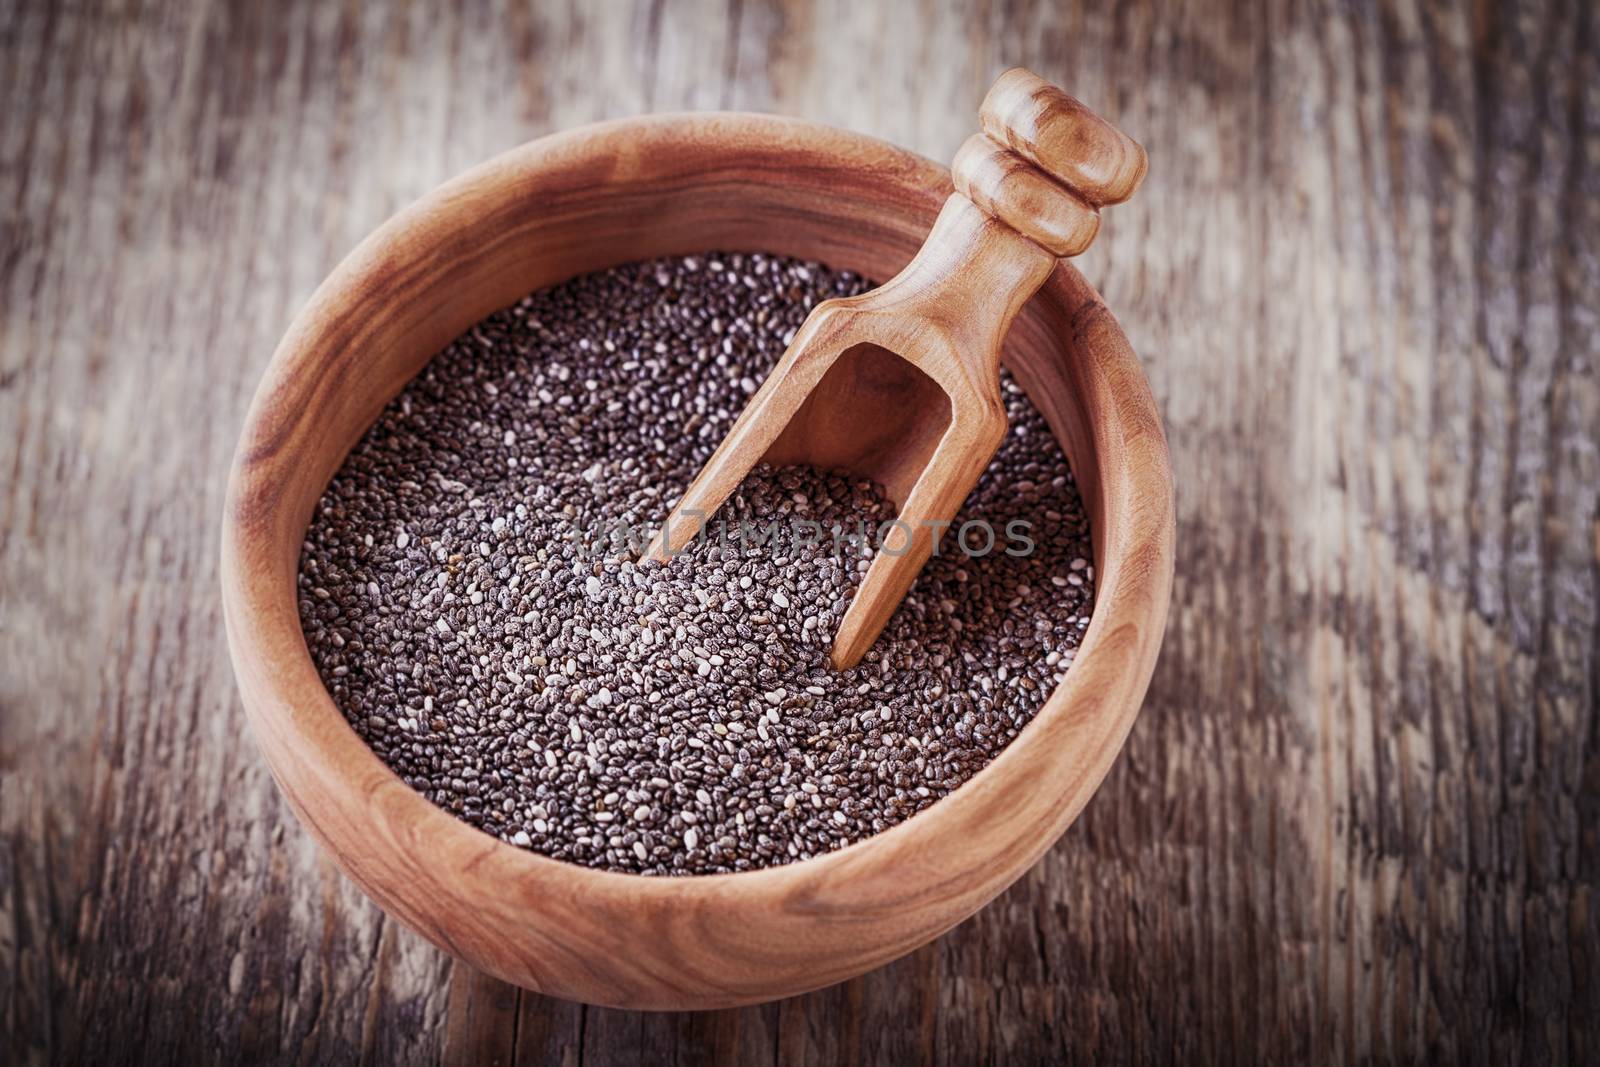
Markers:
1360,815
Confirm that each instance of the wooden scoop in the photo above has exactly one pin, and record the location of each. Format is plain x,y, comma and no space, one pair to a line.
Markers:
902,384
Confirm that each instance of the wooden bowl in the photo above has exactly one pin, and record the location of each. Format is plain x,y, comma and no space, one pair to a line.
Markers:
578,202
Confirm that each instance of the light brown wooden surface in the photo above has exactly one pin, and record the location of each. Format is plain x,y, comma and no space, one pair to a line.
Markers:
1357,816
901,384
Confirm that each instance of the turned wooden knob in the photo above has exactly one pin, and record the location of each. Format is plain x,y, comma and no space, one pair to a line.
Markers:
1045,164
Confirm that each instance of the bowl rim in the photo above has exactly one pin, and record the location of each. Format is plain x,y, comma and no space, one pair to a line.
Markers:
1100,696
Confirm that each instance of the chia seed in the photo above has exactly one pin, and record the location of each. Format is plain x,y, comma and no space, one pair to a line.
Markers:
679,718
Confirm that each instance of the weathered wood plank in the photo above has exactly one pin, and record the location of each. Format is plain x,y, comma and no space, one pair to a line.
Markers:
1358,817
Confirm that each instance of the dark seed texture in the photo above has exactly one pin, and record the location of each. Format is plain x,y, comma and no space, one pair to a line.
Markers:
676,719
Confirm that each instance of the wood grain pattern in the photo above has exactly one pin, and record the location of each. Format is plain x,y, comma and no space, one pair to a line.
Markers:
1355,820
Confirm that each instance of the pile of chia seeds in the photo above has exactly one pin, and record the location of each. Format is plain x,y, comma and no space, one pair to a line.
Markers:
679,718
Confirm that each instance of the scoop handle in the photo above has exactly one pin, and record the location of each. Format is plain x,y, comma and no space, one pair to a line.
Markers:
1045,164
